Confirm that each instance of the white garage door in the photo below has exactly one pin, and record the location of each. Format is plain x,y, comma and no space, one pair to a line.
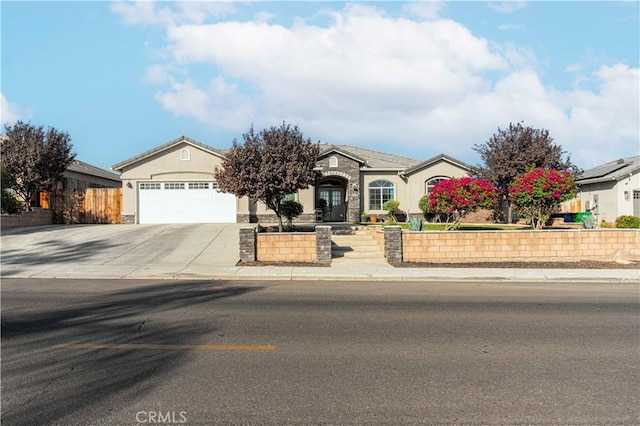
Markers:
185,202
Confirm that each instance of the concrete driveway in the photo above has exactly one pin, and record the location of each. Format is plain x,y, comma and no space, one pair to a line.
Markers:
115,251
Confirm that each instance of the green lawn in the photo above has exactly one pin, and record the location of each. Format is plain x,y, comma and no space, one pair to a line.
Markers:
463,227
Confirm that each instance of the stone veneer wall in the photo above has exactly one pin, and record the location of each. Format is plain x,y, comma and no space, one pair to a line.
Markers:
496,246
348,170
128,219
301,247
38,217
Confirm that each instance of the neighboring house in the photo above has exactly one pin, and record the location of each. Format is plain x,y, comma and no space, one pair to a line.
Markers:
611,189
78,177
174,183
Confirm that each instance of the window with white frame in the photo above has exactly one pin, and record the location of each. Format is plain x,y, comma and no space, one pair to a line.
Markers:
430,183
149,185
333,161
170,185
198,185
185,155
380,191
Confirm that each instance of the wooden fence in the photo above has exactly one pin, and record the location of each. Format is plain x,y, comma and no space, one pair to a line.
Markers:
91,205
102,205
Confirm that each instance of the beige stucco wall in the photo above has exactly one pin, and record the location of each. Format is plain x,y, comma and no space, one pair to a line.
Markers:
392,176
416,182
166,165
304,196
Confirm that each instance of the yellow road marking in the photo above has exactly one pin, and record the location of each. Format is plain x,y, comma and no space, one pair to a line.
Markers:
165,347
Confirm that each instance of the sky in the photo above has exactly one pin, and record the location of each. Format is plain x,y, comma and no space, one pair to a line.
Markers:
411,78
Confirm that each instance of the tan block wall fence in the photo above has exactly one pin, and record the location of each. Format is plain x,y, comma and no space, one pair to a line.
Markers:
560,245
287,247
38,217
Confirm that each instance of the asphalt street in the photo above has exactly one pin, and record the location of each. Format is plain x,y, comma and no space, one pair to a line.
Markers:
80,352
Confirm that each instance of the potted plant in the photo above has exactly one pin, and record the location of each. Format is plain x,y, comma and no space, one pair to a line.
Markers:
364,217
373,218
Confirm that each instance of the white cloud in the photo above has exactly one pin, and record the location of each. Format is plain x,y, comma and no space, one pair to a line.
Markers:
183,12
379,81
219,105
507,6
424,9
11,112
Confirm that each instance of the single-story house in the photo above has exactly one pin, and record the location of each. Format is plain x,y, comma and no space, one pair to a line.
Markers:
174,183
611,189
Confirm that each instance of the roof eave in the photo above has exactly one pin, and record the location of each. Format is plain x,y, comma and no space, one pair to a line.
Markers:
433,160
121,165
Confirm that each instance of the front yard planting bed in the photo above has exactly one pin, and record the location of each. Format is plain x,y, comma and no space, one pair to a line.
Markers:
584,264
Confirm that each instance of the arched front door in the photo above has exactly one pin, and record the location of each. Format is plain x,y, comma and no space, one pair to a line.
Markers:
332,191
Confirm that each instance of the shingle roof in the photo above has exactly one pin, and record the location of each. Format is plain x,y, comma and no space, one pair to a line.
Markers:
372,159
613,170
87,169
122,164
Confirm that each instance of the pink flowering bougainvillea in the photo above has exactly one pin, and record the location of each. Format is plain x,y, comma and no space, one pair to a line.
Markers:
538,192
457,197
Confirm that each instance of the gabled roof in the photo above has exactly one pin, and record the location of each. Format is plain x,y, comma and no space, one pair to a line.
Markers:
613,170
182,139
340,150
78,166
436,159
370,158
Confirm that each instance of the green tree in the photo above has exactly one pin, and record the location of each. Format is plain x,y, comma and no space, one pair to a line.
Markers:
269,165
9,204
511,152
36,157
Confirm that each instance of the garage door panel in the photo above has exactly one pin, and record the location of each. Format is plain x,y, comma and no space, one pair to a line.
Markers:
188,205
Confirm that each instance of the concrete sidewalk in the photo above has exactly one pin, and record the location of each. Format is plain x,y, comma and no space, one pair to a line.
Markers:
351,272
210,252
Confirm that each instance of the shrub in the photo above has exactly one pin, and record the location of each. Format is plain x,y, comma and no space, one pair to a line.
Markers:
538,192
415,224
291,209
589,222
424,205
8,204
605,224
391,206
460,196
626,221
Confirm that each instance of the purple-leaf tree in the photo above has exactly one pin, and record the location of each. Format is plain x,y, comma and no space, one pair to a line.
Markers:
511,152
35,157
269,166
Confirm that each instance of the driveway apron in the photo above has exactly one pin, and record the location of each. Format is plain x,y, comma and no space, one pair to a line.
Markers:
116,250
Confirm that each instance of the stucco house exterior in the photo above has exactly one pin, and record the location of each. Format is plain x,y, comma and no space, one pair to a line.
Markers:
174,183
611,189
